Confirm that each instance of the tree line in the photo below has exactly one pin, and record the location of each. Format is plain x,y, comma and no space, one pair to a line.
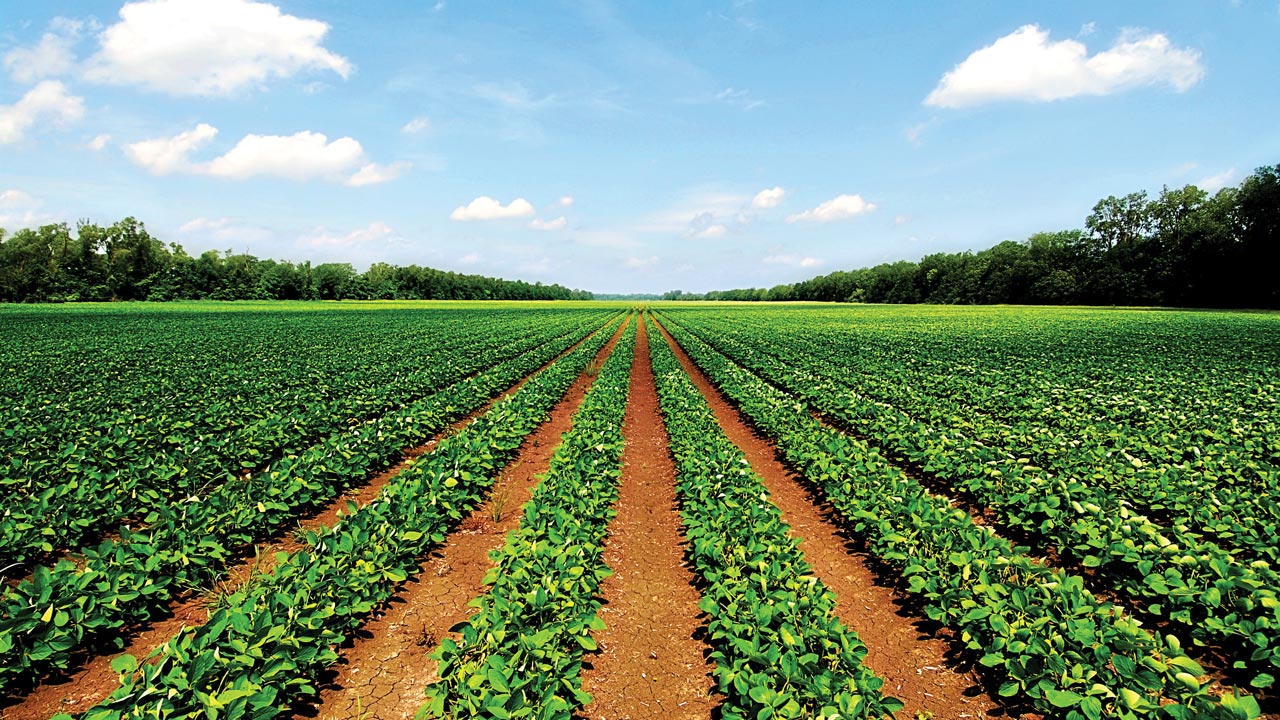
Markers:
1184,248
124,262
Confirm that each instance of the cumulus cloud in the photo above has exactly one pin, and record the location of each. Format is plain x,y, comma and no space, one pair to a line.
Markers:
1025,65
1217,181
168,155
769,198
47,102
486,208
565,201
711,231
639,263
375,233
373,173
51,57
18,209
416,125
15,198
209,47
99,142
557,224
803,261
304,155
841,207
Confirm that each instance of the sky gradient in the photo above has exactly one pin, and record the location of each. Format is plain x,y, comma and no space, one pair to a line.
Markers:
622,148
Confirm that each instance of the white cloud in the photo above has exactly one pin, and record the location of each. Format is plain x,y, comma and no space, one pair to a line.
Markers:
208,47
1216,182
769,198
375,233
51,57
486,208
470,259
557,224
637,263
203,224
18,209
304,155
225,230
901,219
1025,65
565,201
711,231
48,102
164,156
419,124
841,207
803,261
99,143
373,173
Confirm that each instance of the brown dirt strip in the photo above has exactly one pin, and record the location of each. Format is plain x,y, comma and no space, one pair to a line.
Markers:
384,672
93,681
650,665
903,649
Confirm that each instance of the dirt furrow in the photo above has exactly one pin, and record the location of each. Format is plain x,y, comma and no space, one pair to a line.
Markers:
383,674
650,665
903,649
94,680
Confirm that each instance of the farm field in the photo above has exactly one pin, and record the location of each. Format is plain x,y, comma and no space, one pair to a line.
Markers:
603,510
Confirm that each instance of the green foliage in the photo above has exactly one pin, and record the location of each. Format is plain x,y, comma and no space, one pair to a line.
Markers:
187,542
123,262
779,650
1054,646
520,654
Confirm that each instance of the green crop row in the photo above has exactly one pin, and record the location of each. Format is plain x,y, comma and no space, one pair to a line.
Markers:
1207,471
779,649
265,648
120,475
1212,597
46,619
1051,643
520,654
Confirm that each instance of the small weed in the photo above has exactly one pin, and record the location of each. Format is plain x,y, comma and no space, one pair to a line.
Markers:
498,503
593,367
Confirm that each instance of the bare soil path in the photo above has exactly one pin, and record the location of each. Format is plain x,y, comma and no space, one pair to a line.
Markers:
900,647
650,665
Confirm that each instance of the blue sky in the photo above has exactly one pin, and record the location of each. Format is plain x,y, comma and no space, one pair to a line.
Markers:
622,147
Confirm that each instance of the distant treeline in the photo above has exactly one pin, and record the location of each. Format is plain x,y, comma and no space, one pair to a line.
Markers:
1185,248
124,262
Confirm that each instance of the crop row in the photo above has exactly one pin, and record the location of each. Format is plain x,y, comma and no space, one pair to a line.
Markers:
1050,643
264,649
1176,471
45,619
1212,597
779,650
520,654
119,478
1190,444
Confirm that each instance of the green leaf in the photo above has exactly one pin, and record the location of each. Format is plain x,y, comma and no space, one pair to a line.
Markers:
1063,698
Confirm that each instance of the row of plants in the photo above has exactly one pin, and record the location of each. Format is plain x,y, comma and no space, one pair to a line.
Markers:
520,654
1178,462
779,650
118,474
265,647
1190,437
1051,645
1207,594
46,619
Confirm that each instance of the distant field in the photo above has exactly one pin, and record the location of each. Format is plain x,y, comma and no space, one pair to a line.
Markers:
364,509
